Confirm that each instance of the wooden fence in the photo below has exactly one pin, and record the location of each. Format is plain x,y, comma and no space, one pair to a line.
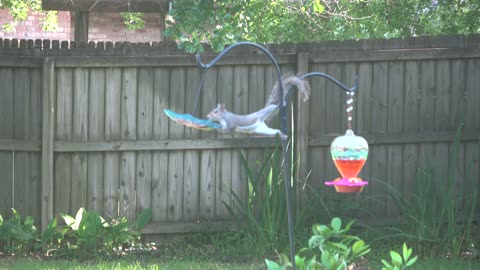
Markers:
83,125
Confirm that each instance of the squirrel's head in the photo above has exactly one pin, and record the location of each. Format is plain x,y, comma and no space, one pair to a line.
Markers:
217,113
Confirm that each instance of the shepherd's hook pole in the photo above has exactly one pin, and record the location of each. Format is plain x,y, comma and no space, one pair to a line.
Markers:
283,127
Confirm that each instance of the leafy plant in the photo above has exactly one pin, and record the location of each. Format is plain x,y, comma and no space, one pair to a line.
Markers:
332,248
18,235
439,211
265,211
400,262
91,232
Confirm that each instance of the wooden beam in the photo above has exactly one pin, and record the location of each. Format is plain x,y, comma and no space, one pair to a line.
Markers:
164,145
80,22
187,227
146,6
20,145
160,61
47,142
402,138
301,129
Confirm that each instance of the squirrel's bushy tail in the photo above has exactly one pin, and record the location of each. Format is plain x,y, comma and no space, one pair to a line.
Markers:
288,81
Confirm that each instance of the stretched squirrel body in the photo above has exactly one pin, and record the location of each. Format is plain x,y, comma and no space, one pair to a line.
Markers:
254,123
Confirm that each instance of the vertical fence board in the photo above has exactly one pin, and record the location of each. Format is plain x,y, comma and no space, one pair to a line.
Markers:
472,114
472,120
35,134
442,95
192,157
395,125
21,131
224,157
6,132
96,132
427,95
128,119
160,131
411,96
441,118
48,114
144,132
240,105
318,112
457,92
379,126
111,169
207,157
363,123
63,132
79,133
175,158
410,124
6,180
427,110
6,103
256,96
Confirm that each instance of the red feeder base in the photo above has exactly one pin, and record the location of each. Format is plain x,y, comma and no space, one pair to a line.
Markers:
350,185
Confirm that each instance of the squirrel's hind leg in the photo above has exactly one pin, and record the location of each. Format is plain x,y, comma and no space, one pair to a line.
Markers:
262,129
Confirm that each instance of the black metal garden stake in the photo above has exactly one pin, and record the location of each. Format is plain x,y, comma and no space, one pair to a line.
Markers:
283,123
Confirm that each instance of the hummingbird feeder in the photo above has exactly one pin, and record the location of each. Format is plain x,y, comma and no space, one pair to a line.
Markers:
349,154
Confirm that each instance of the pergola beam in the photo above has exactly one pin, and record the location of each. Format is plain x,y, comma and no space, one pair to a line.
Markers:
145,6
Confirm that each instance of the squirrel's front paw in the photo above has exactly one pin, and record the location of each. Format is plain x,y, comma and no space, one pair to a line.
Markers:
283,136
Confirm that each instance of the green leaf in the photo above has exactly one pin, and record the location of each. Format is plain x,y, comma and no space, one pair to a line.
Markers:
336,224
349,225
143,218
386,264
315,241
271,265
357,246
406,252
318,7
411,261
69,220
396,258
300,262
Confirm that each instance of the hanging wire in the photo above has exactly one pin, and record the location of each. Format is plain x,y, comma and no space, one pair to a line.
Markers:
199,91
349,109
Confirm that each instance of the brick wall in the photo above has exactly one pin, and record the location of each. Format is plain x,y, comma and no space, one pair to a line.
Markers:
102,27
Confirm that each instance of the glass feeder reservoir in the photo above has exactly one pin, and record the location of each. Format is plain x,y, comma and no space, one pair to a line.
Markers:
349,153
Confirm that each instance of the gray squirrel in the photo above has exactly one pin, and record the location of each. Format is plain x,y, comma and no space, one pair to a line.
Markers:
254,123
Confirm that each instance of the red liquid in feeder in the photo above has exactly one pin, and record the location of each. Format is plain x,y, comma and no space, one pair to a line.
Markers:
349,168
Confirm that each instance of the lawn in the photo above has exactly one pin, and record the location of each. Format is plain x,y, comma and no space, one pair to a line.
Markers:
25,264
132,264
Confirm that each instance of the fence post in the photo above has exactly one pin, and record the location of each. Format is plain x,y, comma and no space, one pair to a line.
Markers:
47,142
301,129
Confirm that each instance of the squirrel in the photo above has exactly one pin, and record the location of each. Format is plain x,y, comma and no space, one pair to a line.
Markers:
254,123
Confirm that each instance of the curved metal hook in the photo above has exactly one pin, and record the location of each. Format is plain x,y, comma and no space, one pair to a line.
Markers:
335,81
204,67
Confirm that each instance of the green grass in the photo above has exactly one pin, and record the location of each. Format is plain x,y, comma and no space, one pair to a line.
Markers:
152,264
445,264
124,264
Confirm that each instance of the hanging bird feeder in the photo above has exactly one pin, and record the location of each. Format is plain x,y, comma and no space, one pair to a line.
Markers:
349,154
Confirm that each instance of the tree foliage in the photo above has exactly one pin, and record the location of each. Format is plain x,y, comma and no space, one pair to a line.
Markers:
221,22
19,10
